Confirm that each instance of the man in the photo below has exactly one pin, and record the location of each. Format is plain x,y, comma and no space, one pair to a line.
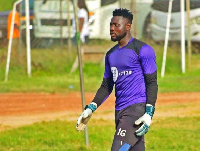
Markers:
16,24
83,22
16,32
131,66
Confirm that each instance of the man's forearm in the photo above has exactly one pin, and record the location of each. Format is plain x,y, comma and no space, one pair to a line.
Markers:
16,26
151,88
104,91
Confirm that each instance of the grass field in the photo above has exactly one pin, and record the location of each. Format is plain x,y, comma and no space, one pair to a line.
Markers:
51,74
169,134
51,71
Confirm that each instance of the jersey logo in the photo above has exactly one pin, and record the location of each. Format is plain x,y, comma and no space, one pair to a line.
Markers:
125,73
121,132
115,73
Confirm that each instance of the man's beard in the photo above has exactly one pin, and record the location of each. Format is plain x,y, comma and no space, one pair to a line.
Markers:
119,37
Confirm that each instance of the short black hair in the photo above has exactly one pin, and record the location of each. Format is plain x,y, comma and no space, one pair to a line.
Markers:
124,13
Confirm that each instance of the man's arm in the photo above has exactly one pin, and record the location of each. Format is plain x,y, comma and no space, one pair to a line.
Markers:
102,94
106,86
17,20
104,91
151,87
81,22
148,64
16,26
82,13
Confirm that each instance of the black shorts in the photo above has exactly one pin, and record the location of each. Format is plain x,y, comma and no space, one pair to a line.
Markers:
125,123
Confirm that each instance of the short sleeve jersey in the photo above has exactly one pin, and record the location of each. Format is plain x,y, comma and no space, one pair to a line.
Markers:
127,66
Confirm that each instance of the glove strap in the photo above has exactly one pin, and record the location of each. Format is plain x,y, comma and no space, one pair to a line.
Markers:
150,110
92,106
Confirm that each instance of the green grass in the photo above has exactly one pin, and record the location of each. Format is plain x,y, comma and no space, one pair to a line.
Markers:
6,5
174,134
170,134
51,71
174,80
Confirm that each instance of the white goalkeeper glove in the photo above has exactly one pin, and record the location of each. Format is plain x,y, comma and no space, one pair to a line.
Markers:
85,116
146,120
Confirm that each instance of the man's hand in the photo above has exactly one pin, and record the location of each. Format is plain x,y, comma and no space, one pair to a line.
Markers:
85,116
146,120
83,119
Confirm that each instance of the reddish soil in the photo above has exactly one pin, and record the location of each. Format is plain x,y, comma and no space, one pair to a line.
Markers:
18,109
29,104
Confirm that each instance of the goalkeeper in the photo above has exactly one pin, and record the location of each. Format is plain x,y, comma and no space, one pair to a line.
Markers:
131,66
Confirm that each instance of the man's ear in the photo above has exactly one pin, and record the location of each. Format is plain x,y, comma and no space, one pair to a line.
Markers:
128,26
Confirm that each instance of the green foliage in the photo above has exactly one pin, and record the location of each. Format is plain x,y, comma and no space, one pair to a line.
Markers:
177,134
6,5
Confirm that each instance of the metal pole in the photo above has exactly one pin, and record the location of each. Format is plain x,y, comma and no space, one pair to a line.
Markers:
183,35
135,17
10,40
166,38
80,66
189,34
132,10
28,42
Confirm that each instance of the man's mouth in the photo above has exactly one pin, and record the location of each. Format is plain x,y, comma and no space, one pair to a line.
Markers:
112,34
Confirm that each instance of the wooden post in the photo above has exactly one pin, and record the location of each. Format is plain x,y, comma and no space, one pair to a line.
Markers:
189,33
69,43
61,24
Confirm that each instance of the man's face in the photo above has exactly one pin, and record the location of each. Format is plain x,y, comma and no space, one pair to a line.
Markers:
118,28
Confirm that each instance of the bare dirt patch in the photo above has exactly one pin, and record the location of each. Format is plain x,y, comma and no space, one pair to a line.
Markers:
18,109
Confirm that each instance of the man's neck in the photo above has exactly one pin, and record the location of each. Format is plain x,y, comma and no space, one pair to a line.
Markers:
123,42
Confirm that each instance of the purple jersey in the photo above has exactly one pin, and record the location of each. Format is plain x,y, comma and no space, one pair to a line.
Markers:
127,67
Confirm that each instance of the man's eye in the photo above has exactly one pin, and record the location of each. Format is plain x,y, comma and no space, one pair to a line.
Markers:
115,25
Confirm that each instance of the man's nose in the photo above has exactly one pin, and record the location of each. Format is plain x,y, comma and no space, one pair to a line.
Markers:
111,27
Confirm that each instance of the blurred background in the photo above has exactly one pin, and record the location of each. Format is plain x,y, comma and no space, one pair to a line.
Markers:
51,20
51,35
